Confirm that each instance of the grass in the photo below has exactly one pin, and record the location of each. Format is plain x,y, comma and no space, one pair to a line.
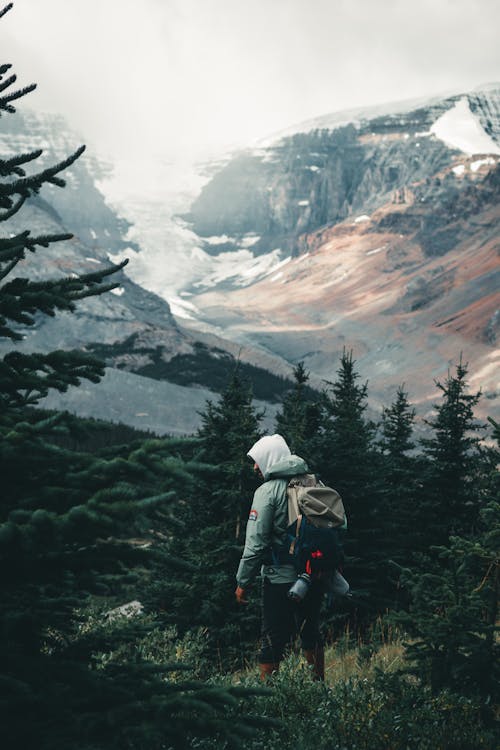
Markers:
345,660
364,704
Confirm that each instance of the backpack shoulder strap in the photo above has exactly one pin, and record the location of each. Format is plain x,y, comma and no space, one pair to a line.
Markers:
294,490
296,537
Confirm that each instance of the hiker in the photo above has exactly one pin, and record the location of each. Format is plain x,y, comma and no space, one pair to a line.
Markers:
282,617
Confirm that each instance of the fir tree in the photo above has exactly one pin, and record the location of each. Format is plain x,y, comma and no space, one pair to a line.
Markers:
25,378
453,618
69,522
229,429
398,482
453,615
397,427
347,434
214,517
300,417
76,527
451,498
348,462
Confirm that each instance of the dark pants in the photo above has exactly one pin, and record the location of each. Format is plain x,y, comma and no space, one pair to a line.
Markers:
283,620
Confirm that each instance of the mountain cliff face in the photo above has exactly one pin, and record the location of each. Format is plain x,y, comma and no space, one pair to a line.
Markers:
321,177
375,230
385,229
159,376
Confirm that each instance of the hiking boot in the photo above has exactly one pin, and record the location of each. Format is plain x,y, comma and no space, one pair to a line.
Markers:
316,659
267,670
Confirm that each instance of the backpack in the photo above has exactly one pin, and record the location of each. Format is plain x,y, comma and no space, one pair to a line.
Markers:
316,518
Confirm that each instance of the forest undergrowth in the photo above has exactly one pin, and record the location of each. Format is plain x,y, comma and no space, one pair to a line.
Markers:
94,516
369,700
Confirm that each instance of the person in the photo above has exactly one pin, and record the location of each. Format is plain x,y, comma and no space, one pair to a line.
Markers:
282,618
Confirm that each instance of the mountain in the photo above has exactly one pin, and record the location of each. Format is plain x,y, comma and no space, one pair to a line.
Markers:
159,375
374,230
377,231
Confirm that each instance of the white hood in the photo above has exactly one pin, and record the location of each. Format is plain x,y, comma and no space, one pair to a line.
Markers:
268,451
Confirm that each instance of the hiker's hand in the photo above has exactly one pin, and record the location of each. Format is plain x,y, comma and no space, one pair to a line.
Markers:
240,595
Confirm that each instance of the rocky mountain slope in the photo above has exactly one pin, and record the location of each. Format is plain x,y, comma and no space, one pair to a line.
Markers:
376,230
159,376
384,231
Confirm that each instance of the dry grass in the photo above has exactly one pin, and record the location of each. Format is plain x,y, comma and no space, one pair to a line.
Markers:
342,665
345,660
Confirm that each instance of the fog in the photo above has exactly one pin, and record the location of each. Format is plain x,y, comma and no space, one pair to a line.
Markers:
190,77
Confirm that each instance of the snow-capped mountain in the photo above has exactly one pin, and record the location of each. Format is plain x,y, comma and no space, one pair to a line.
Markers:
319,177
377,231
159,376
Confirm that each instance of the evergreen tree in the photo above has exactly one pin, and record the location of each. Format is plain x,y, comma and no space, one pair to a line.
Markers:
300,417
214,519
397,427
453,615
229,429
398,483
75,527
453,618
69,522
347,434
451,500
25,378
347,461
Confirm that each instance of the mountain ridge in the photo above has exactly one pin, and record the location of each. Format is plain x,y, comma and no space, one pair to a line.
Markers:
337,118
373,238
129,317
396,220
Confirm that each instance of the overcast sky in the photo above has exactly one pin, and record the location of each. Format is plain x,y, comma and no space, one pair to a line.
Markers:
184,76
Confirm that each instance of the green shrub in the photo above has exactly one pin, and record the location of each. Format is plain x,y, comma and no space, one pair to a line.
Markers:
385,712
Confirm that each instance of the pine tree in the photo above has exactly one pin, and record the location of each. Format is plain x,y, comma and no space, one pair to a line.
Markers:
347,434
25,378
300,417
229,429
451,500
348,462
69,522
453,617
396,487
75,527
215,520
398,479
397,427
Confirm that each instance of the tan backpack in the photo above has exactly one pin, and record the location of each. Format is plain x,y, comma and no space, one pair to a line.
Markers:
316,516
321,505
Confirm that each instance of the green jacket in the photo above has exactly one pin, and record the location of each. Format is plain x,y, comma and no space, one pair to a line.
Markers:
267,524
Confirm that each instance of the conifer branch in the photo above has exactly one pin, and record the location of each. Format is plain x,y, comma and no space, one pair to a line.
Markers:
10,267
45,240
21,298
16,206
18,94
8,165
26,378
6,10
96,276
14,247
8,82
492,566
93,292
33,183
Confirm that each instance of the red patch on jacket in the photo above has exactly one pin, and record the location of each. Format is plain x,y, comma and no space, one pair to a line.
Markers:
253,515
